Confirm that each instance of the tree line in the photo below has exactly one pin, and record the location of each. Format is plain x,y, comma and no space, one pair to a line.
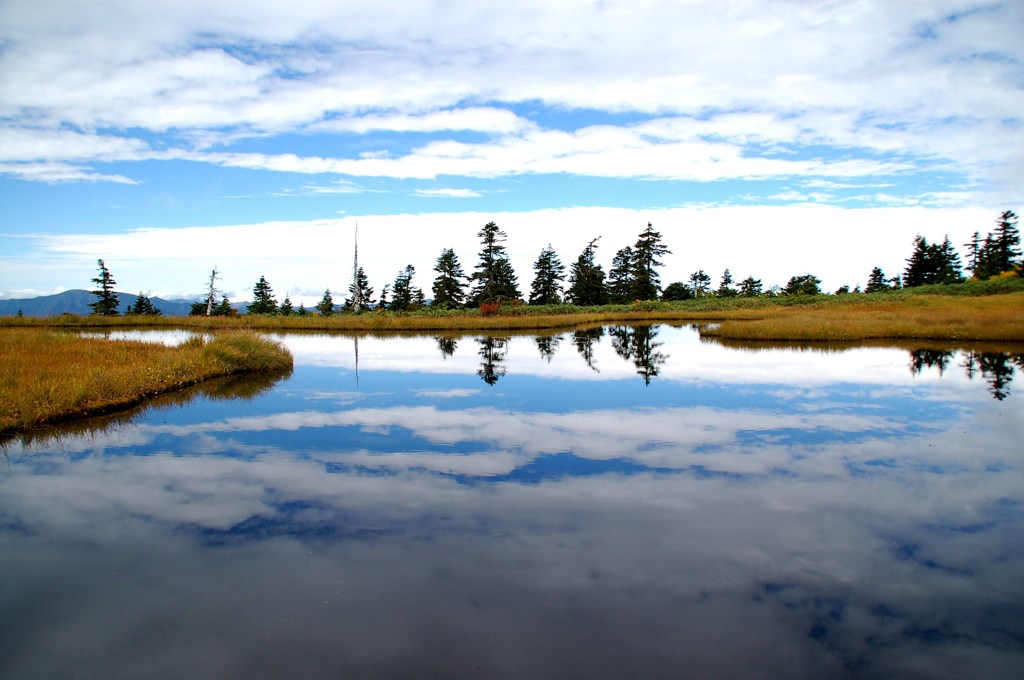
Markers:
633,275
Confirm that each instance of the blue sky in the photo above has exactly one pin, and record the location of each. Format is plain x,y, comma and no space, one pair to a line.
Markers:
773,138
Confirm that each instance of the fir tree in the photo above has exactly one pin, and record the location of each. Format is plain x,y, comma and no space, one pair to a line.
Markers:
807,284
404,295
932,263
106,299
263,300
699,282
549,272
586,279
676,291
622,277
494,277
646,251
365,291
725,288
326,304
143,306
448,288
750,287
1005,254
224,308
876,281
286,307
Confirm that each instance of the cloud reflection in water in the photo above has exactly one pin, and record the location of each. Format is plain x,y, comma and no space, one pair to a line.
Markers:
862,525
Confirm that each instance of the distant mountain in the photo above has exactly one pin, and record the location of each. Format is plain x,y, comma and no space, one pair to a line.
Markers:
77,302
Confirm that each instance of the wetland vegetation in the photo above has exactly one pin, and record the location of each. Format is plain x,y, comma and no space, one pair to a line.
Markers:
48,376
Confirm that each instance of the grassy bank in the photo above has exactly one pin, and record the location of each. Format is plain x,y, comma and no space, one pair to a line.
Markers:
48,376
996,318
988,310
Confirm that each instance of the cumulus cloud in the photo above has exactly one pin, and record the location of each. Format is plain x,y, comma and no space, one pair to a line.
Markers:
930,79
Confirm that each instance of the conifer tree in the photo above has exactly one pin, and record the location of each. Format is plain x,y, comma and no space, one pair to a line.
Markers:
143,306
876,281
699,282
725,288
750,287
326,304
106,299
586,279
549,272
646,251
807,284
286,307
494,277
404,295
622,277
365,291
1005,254
448,288
676,291
263,301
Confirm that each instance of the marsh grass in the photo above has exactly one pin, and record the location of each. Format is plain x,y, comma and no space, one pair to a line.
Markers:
996,318
48,376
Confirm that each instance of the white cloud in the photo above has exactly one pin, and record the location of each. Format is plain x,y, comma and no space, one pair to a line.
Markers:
448,193
924,78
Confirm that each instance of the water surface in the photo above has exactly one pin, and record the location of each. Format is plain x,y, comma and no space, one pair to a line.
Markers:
618,502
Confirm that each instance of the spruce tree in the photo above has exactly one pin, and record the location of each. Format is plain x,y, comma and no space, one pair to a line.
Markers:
263,301
699,282
143,306
586,279
876,281
365,291
646,251
549,272
106,299
326,304
494,277
917,271
725,288
622,277
750,287
404,295
807,284
1005,254
676,291
286,307
448,288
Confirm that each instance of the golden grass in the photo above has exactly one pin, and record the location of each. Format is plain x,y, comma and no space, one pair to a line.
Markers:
924,317
48,376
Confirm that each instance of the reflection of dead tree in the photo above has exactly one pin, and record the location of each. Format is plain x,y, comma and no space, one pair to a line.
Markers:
584,341
492,351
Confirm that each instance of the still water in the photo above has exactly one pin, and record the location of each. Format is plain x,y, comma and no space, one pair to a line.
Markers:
617,502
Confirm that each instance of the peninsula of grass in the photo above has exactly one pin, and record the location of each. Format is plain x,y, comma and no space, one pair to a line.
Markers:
48,376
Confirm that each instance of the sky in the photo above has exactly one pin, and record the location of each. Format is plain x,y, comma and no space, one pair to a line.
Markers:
774,138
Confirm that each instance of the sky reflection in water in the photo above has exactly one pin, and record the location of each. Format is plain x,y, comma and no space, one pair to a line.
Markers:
603,504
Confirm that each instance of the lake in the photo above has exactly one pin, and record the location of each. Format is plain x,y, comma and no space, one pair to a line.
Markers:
610,502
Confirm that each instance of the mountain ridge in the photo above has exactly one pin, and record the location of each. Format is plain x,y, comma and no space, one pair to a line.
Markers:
77,302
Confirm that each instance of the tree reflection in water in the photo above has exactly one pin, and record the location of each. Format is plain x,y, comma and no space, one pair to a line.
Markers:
492,352
996,368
